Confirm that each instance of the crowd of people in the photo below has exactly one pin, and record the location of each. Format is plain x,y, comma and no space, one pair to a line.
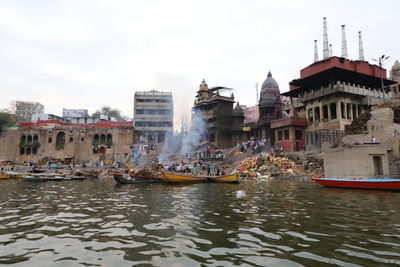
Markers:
196,168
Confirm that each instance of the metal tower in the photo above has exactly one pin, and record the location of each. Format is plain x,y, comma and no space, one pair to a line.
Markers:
325,49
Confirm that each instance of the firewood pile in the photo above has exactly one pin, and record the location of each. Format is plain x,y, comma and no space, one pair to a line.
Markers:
152,170
268,166
358,125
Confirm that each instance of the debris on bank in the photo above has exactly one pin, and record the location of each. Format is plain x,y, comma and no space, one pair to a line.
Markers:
267,166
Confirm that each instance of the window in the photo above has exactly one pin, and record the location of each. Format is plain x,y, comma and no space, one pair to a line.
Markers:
49,140
310,115
71,139
279,135
286,134
332,107
298,134
325,112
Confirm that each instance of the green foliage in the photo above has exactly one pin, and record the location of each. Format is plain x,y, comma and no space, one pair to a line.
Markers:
7,120
109,143
95,142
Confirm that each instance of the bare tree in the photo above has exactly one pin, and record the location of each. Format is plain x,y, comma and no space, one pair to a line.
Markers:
109,112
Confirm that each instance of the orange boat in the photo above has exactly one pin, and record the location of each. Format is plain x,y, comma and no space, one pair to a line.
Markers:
170,177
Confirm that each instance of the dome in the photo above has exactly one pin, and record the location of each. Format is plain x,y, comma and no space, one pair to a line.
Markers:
270,93
238,111
269,83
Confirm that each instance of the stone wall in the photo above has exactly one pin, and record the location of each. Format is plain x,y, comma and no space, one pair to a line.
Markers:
78,144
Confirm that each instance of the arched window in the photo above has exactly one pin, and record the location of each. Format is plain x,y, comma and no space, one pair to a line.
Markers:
50,140
34,150
35,138
29,139
102,139
60,140
109,140
23,139
22,151
102,150
96,140
28,150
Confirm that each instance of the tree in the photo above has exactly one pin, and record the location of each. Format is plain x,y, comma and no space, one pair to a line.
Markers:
109,112
7,120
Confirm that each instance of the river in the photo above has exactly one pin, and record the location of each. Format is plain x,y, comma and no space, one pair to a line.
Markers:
267,223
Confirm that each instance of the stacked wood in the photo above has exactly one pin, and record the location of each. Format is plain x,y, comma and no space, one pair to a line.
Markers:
358,125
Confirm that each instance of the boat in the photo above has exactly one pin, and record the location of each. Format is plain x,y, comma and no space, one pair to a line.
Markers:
4,176
55,178
122,178
74,177
170,177
360,183
34,178
229,178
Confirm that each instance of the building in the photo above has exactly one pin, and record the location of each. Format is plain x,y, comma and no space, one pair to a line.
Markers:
68,113
46,140
395,76
25,109
47,117
270,108
80,116
333,91
153,117
215,110
290,132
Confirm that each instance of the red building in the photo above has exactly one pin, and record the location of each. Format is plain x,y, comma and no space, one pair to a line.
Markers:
290,132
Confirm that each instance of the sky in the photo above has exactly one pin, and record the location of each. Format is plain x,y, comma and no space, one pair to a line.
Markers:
85,54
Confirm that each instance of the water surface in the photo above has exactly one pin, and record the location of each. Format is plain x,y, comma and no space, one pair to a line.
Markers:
278,223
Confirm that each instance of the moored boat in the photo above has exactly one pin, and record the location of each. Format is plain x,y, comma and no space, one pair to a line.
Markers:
122,178
34,178
229,178
360,183
4,176
170,177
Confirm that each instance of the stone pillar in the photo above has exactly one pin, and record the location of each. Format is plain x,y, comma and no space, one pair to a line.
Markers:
345,110
338,110
329,111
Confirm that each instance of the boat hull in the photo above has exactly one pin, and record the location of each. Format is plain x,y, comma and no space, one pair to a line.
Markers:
379,184
182,178
230,178
134,179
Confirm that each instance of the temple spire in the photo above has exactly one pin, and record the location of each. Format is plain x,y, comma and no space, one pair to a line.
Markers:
344,43
325,49
330,50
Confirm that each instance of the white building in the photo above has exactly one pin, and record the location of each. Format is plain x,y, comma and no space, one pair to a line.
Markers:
153,117
75,113
25,109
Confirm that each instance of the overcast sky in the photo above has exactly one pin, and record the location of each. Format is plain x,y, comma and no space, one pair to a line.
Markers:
86,54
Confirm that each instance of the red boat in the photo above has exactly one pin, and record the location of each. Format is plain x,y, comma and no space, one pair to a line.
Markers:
361,183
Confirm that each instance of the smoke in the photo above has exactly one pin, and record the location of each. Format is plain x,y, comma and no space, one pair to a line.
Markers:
184,143
192,139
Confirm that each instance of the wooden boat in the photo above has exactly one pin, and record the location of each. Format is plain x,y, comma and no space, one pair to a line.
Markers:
34,178
122,178
74,177
360,183
55,178
170,177
4,176
229,178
